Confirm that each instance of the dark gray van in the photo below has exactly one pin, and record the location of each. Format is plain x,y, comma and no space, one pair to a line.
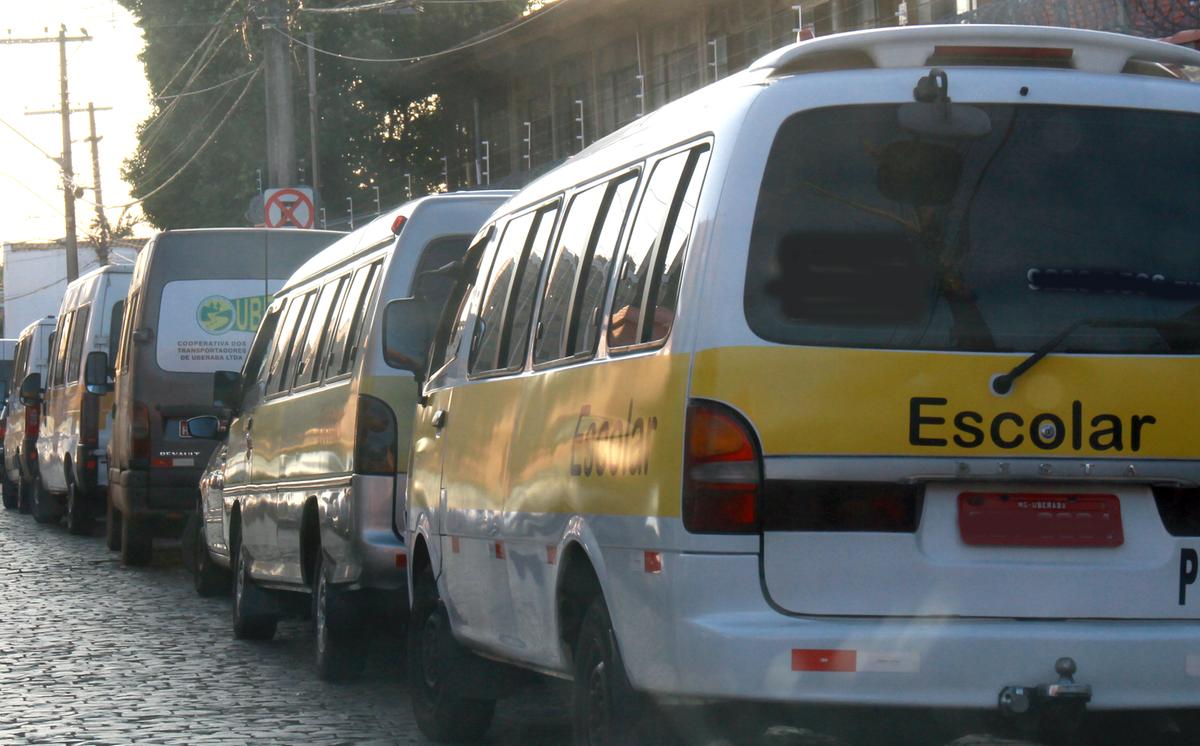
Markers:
194,305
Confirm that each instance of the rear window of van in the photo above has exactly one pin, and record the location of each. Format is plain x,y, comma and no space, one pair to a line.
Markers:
208,325
868,235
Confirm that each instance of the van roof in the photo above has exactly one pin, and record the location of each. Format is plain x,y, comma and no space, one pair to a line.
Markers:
380,229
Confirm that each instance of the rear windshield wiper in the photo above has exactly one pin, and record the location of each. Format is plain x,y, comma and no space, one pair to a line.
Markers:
1003,383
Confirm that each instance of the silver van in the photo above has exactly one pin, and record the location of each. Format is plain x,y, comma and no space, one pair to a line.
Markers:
77,402
312,500
21,420
194,305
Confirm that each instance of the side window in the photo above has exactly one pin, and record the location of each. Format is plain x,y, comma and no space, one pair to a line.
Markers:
308,370
649,273
254,365
520,305
282,343
115,320
131,310
75,350
594,273
20,363
485,347
575,241
48,379
457,309
291,358
357,307
62,336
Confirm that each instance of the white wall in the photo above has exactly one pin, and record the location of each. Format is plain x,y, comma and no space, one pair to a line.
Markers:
36,279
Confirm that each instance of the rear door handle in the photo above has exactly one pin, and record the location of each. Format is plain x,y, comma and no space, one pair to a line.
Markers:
439,419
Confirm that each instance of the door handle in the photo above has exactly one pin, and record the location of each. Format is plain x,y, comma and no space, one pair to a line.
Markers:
439,419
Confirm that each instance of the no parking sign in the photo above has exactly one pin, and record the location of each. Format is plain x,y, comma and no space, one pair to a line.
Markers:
288,208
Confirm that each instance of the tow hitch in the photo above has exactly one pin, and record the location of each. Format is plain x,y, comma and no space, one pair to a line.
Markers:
1057,708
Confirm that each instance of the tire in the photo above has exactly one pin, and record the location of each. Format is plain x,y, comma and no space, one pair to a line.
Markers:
252,613
24,495
79,511
112,525
441,715
605,710
45,507
11,496
137,543
337,630
208,578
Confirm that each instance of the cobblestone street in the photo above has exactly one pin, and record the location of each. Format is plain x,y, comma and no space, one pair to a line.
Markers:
96,653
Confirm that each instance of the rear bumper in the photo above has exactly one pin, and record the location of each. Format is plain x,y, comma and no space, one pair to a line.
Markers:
164,507
702,629
381,552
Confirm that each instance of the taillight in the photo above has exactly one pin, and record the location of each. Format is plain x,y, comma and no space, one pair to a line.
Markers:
139,431
89,420
33,417
3,428
722,472
374,437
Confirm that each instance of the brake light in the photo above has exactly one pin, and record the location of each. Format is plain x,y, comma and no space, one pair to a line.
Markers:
139,431
1001,55
398,224
33,418
374,437
89,419
722,472
3,428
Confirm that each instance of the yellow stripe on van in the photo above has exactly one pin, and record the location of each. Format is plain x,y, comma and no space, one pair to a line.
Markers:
805,400
602,438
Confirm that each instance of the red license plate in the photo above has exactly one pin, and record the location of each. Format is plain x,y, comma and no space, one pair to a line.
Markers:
1024,519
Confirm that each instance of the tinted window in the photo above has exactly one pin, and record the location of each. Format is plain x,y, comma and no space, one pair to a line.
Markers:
574,242
339,324
307,371
516,331
649,271
61,337
593,280
359,306
131,309
292,362
283,342
865,236
254,366
485,352
78,332
456,309
115,321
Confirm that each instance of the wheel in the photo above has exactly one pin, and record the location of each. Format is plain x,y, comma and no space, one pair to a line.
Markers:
209,578
45,506
605,710
252,613
112,524
24,494
432,653
339,638
11,496
79,512
137,543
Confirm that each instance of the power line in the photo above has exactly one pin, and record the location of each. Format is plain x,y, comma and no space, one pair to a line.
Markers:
35,146
212,136
431,55
222,84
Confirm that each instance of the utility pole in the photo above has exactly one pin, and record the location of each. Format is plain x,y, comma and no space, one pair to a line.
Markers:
68,172
312,119
101,220
280,104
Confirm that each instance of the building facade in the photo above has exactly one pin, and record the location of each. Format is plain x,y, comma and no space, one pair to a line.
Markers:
524,97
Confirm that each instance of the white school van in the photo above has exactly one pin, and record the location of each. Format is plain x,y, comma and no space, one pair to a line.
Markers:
866,376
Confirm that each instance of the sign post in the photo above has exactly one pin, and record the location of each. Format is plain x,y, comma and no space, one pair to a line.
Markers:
288,208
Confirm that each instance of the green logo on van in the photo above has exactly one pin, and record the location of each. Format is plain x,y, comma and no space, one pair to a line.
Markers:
217,314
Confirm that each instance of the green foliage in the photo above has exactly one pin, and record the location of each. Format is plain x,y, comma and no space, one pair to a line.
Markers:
369,135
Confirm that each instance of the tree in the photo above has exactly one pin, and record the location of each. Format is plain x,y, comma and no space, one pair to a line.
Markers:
203,56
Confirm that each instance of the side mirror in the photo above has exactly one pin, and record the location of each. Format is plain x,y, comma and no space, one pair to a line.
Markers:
227,389
205,426
95,373
143,336
407,327
31,389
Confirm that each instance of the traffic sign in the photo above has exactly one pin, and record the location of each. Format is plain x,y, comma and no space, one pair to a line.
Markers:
288,208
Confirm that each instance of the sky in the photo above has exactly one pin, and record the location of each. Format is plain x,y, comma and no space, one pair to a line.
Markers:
105,71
